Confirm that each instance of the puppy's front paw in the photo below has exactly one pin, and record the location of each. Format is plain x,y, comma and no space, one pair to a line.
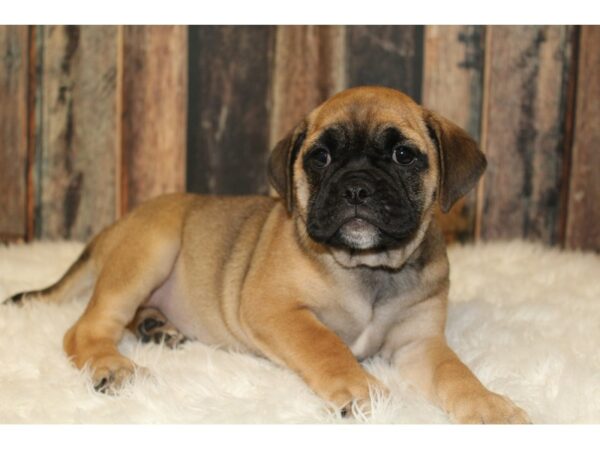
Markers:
344,392
109,373
488,407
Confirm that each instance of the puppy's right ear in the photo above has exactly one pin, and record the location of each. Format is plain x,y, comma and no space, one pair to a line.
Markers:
281,164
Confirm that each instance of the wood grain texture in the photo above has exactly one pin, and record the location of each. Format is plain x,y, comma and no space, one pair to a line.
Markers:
525,125
14,56
229,96
386,55
452,86
33,118
583,219
154,115
77,155
308,69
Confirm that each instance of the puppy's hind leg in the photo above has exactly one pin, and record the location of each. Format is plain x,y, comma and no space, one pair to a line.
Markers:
130,273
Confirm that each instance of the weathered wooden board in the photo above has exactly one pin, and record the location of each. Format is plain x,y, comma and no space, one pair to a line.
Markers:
154,109
228,135
14,56
309,68
386,55
453,86
525,131
583,217
78,145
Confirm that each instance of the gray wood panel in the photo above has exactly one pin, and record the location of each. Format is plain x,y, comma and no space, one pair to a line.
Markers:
229,97
78,148
386,55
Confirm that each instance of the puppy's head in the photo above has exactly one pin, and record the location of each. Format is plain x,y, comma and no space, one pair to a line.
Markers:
363,169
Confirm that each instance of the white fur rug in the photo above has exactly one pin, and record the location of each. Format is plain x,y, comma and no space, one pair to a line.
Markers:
525,318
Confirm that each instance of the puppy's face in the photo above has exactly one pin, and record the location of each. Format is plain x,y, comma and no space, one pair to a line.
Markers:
364,169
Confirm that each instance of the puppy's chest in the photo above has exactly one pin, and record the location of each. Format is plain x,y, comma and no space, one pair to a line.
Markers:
363,306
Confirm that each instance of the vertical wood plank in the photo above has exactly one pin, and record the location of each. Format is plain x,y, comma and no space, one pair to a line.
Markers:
525,126
452,86
583,217
308,68
14,57
154,112
78,142
229,96
386,55
33,118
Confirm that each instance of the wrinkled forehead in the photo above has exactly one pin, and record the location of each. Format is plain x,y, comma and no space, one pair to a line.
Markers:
370,109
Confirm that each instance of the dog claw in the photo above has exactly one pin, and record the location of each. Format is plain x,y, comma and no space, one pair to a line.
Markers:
101,386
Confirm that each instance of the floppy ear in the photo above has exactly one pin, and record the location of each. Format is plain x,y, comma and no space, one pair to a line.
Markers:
281,164
461,161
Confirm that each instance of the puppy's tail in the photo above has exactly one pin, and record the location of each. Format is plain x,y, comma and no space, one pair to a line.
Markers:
76,280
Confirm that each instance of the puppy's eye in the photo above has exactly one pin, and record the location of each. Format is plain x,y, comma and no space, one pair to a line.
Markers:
403,155
321,157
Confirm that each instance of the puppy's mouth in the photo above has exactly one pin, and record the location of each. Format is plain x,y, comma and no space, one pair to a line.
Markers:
360,229
358,233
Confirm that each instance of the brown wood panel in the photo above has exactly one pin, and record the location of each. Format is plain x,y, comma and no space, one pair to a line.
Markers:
78,146
583,217
154,112
229,96
14,56
525,131
33,113
452,86
386,55
308,68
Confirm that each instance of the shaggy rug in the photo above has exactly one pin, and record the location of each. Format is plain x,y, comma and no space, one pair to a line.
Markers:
524,318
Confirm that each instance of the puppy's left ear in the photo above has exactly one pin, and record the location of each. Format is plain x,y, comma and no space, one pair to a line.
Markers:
281,164
461,161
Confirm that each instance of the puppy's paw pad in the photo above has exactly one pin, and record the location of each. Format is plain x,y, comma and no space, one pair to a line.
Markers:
153,326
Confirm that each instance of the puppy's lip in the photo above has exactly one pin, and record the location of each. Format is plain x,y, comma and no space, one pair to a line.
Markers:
356,223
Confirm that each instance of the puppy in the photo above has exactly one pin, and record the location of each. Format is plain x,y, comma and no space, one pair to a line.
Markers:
348,263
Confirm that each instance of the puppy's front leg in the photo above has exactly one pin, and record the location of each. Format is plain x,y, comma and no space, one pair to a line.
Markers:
294,337
425,360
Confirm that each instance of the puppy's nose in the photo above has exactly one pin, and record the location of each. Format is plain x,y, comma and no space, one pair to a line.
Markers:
356,193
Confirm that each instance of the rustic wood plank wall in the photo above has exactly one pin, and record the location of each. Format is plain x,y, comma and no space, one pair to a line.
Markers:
154,112
78,140
228,125
14,51
583,215
387,55
525,131
102,118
